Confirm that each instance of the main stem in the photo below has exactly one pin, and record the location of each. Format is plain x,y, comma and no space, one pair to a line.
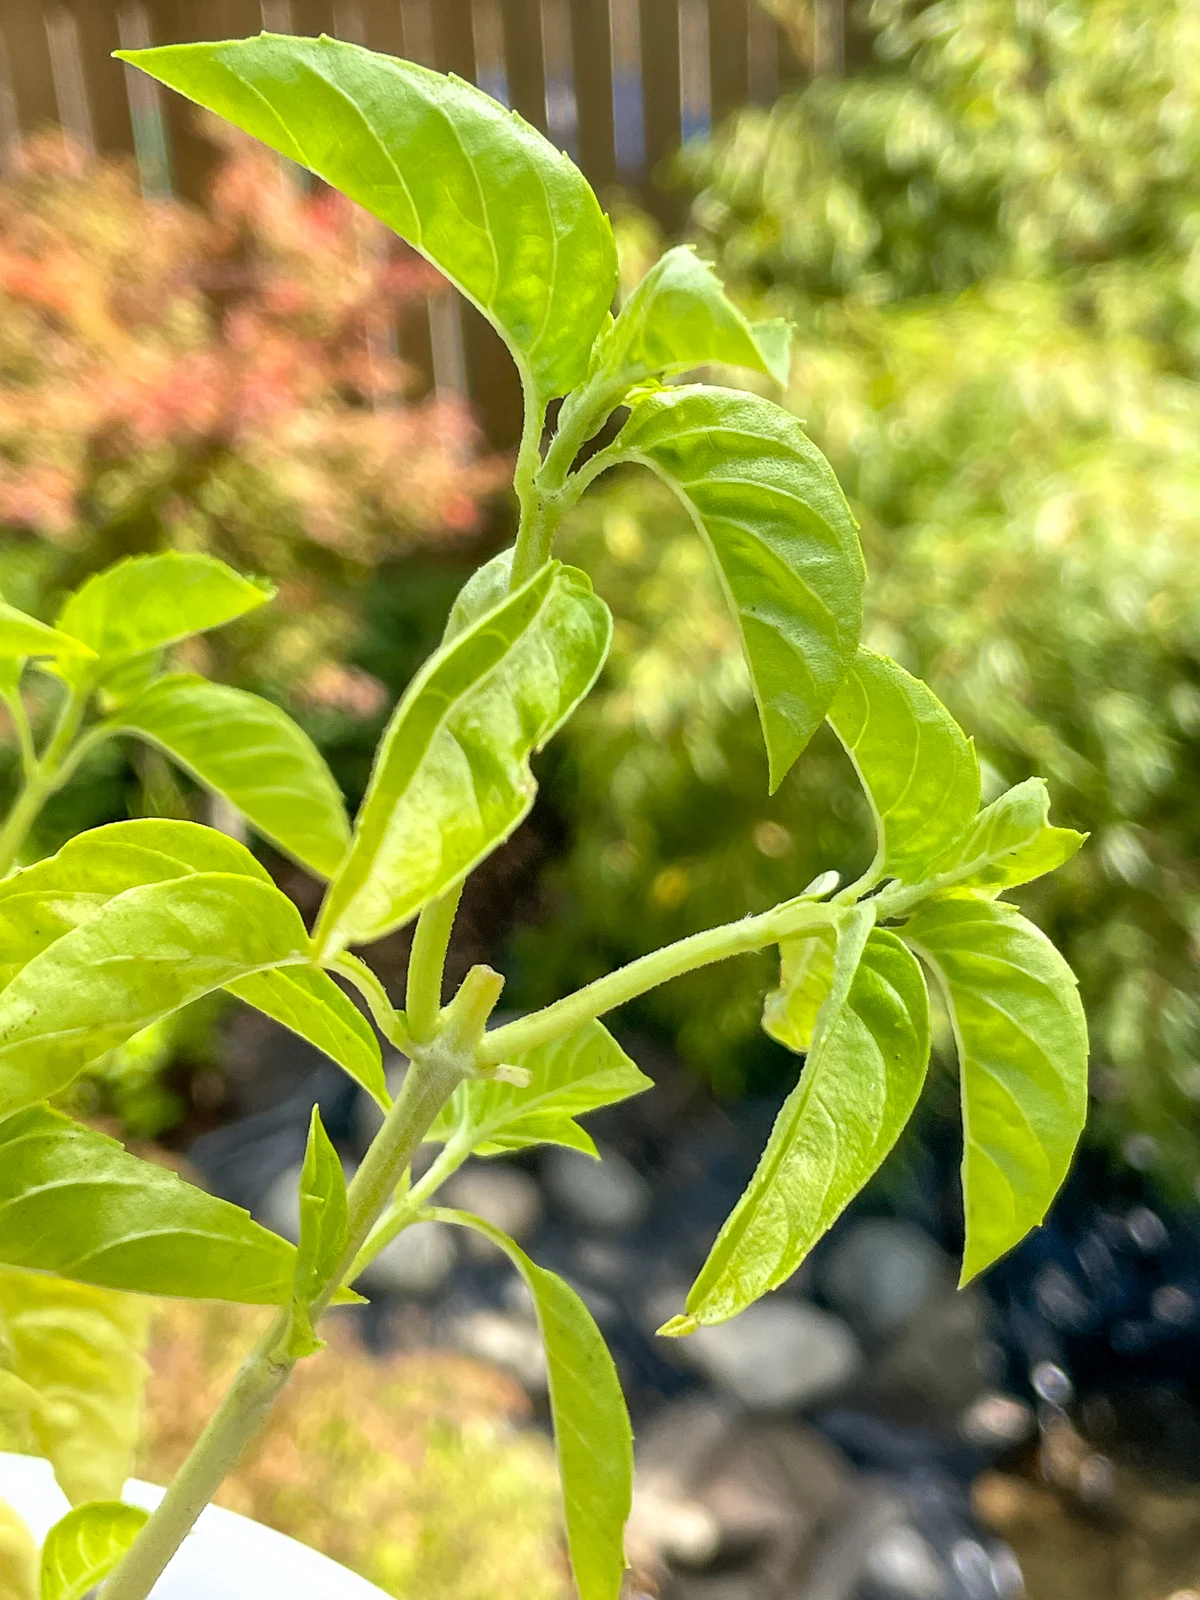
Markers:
427,1086
20,819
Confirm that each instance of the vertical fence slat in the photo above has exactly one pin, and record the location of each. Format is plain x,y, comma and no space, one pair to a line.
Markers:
620,61
661,104
485,361
29,64
312,17
383,24
10,120
562,100
226,19
454,38
591,47
729,53
695,75
762,68
523,51
418,31
99,36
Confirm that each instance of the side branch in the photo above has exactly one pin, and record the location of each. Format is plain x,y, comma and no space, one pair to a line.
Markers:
648,972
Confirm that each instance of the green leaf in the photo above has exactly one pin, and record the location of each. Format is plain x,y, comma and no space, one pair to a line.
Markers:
22,636
81,1353
48,899
1010,842
484,590
108,860
145,602
917,766
18,1557
451,778
859,1085
251,752
679,317
82,1549
141,956
497,208
782,537
567,1078
309,1002
805,977
1022,1050
76,1203
591,1424
324,1225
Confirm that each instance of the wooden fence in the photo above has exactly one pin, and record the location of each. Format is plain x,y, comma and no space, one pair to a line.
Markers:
617,83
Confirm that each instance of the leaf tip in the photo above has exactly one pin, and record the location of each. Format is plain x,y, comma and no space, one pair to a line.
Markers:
679,1326
346,1296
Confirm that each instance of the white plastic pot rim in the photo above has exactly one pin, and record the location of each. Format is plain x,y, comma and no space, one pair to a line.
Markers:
226,1555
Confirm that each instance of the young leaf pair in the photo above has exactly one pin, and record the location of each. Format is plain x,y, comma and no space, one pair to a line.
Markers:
107,649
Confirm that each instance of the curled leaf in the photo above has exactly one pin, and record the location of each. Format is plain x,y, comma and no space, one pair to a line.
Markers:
251,752
79,1353
76,1203
591,1425
83,1548
145,602
783,539
324,1221
564,1080
858,1088
139,957
451,778
917,766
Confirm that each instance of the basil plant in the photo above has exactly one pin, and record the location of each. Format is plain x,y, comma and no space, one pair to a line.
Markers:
129,922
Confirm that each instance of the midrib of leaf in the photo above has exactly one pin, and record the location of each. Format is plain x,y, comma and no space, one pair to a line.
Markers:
550,298
791,575
483,305
298,156
684,487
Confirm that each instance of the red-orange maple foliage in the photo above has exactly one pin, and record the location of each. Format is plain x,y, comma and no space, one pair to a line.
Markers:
222,379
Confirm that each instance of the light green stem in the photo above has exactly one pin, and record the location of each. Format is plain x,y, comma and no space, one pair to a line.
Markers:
392,1024
20,720
427,1086
535,532
20,819
427,964
626,983
404,1208
42,778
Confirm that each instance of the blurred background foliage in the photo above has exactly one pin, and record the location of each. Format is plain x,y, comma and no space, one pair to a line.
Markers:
419,1470
223,379
989,238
